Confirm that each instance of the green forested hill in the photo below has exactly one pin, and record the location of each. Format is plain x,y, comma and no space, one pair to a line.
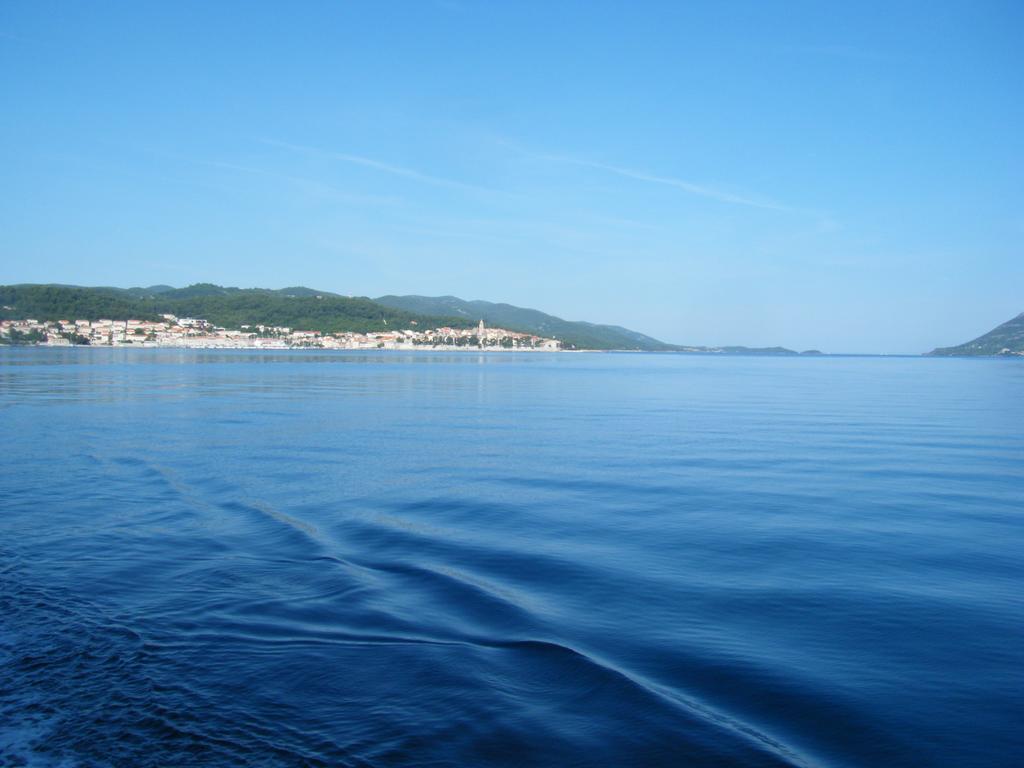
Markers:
62,302
1007,338
307,309
581,335
303,309
572,333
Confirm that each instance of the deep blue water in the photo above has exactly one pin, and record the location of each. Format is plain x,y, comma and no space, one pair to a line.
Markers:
300,558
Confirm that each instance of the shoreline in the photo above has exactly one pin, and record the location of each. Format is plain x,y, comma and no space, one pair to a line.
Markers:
422,349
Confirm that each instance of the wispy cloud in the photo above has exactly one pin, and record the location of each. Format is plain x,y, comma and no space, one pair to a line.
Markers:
692,187
377,165
311,185
686,186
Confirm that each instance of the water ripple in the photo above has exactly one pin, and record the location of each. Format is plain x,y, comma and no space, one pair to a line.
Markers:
222,559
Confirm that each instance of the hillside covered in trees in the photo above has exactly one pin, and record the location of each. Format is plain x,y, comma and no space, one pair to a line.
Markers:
578,334
300,308
1005,339
307,309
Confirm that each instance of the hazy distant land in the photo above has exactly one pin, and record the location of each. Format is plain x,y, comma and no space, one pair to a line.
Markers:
324,312
1006,339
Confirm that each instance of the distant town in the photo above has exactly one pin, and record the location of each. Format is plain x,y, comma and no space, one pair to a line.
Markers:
195,333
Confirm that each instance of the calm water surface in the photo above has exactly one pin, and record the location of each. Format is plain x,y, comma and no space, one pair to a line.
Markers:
311,559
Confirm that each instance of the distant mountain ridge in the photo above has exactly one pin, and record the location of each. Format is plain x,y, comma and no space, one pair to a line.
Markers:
304,308
209,289
578,334
1005,339
298,308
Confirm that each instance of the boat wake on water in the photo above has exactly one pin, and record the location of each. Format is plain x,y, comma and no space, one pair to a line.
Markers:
642,560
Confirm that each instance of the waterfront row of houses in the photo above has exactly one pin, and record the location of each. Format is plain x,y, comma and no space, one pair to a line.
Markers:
191,332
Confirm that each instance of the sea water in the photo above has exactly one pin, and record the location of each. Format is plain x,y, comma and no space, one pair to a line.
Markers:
303,558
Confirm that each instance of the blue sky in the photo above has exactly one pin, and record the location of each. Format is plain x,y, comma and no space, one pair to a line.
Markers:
845,176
